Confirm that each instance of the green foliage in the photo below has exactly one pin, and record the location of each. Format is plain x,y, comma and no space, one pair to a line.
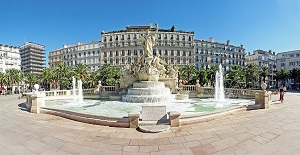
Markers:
200,75
235,77
109,75
211,74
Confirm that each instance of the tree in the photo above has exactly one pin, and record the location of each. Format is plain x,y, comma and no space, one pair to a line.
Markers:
31,79
2,80
93,79
251,72
47,77
81,72
282,75
200,75
173,28
235,77
109,75
211,74
189,71
294,75
62,71
264,72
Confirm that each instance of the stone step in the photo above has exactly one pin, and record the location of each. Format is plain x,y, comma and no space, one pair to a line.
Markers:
153,123
154,128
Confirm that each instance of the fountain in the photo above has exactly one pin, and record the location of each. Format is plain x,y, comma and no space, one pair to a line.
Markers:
150,81
219,85
74,89
80,95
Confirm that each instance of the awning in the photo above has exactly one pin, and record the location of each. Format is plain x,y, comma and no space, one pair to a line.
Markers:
1,88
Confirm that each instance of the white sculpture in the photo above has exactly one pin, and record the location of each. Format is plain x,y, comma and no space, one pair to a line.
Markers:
148,42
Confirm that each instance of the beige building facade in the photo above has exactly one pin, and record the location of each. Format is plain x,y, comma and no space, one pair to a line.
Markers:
209,52
124,46
9,58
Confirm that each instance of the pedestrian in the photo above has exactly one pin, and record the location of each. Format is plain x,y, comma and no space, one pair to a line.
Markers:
281,93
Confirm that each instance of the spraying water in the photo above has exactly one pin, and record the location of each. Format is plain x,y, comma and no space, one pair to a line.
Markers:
80,95
74,89
219,85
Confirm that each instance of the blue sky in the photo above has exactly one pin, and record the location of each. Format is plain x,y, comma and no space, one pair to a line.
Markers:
257,24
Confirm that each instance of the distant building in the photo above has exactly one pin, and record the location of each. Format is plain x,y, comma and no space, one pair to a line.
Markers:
263,58
9,58
209,52
288,60
32,58
71,55
124,47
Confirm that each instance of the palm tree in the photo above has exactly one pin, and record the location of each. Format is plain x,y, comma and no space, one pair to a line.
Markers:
235,77
109,75
189,70
264,72
294,75
31,79
2,80
200,75
282,75
211,74
251,73
19,78
62,71
93,79
47,77
81,72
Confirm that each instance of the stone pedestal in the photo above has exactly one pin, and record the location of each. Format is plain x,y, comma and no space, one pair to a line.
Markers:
134,120
174,118
38,100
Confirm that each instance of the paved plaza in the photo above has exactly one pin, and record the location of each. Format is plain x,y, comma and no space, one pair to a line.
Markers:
272,131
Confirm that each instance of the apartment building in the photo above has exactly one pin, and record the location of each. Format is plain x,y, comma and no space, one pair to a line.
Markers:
32,58
209,52
124,47
263,58
71,55
9,58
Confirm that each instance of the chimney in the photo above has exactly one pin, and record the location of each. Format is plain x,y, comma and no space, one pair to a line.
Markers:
211,39
79,43
65,46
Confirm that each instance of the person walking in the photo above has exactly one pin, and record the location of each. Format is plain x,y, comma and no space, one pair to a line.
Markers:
281,93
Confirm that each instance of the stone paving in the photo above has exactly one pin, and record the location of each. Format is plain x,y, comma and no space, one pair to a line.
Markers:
272,131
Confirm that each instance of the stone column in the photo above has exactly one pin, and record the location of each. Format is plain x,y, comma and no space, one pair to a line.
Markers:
174,118
134,120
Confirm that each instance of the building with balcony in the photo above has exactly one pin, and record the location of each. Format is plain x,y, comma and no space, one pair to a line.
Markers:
85,53
32,58
209,52
9,58
261,59
288,60
124,46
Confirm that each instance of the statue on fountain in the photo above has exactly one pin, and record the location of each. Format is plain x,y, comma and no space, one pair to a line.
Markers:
148,67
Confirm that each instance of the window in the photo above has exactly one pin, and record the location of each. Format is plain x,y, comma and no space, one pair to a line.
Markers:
172,52
129,52
166,52
117,53
178,53
184,54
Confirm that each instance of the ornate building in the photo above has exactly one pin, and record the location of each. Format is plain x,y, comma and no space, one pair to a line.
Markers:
263,58
9,58
124,46
88,53
32,58
288,60
209,52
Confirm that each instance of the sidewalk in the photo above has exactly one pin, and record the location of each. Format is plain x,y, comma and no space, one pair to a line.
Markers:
267,131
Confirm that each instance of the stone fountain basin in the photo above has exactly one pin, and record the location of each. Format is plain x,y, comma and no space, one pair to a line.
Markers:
115,113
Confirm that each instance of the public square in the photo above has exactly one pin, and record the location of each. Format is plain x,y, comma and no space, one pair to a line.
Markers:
275,130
